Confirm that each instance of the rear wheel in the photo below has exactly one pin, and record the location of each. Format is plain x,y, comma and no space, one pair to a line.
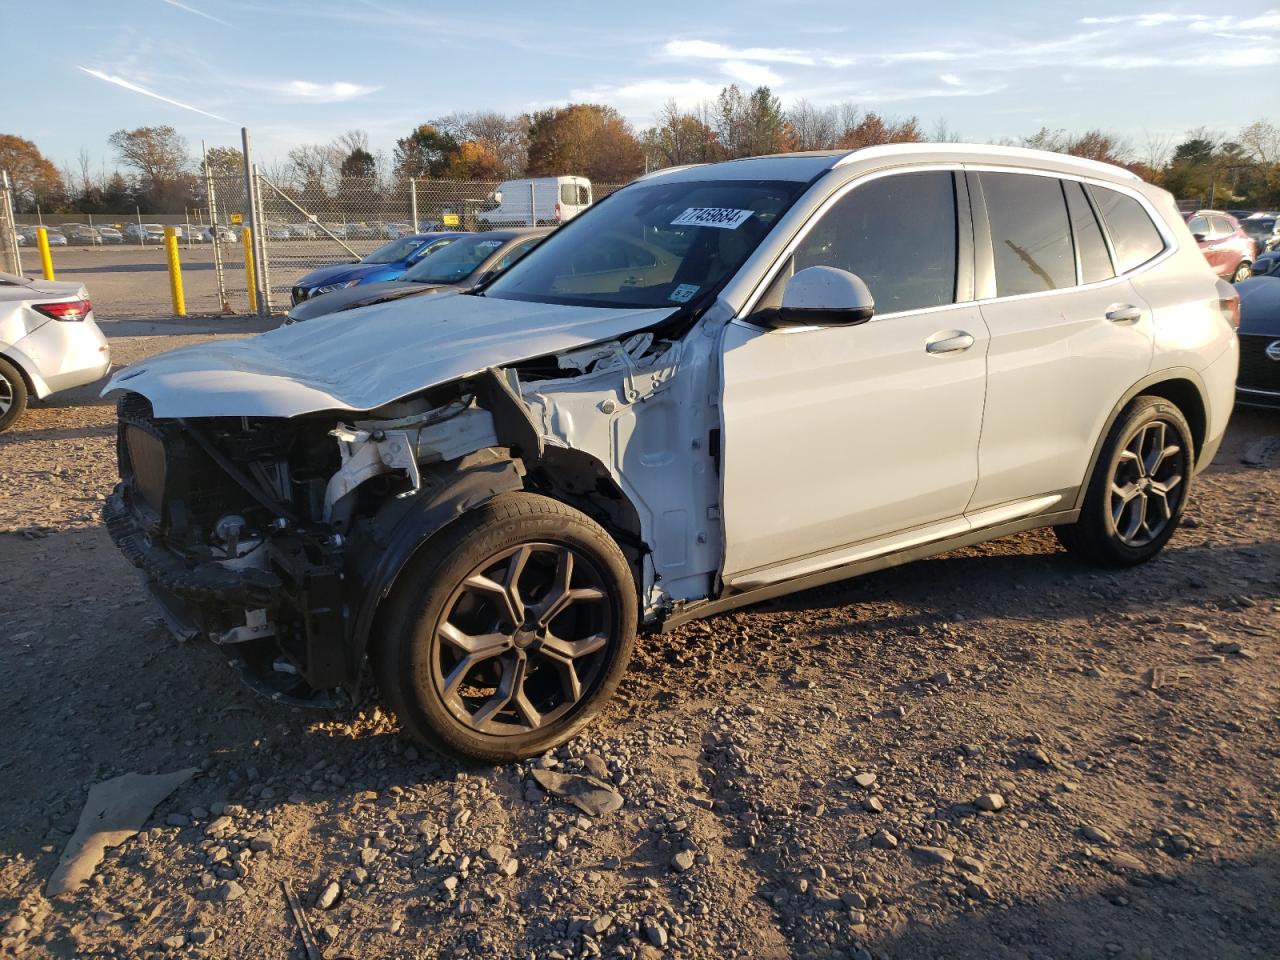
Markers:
509,633
1243,272
1138,489
13,394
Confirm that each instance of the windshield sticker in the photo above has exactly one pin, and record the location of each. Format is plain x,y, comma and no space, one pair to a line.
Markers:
489,244
722,218
683,293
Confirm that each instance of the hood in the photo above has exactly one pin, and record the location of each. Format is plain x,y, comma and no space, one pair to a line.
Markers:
1260,306
395,350
360,296
338,273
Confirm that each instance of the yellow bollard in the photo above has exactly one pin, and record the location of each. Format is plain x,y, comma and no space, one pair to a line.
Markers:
175,272
42,241
246,240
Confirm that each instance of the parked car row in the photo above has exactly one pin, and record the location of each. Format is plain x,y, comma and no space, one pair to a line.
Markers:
1258,383
730,382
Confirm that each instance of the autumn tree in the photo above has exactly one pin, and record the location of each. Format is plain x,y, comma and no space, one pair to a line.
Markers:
679,137
224,162
474,160
506,137
425,152
871,130
161,164
585,139
35,179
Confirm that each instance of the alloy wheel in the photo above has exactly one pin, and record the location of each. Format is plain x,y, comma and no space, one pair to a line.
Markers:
1243,272
6,395
1147,484
523,639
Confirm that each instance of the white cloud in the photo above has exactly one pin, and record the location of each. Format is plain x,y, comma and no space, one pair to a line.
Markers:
335,92
1147,19
706,50
198,13
753,74
950,79
135,88
639,100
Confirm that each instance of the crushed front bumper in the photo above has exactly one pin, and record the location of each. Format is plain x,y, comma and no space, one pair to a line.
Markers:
280,623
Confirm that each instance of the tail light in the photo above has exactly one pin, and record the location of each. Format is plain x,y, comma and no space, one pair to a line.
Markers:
557,211
1230,307
64,310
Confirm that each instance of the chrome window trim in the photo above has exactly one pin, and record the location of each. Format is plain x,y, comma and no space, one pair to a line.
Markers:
1162,228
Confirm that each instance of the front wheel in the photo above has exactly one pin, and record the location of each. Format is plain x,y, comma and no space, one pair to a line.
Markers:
1138,489
509,631
1243,272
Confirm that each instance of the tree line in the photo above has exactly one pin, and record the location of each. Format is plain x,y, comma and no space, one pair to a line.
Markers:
157,172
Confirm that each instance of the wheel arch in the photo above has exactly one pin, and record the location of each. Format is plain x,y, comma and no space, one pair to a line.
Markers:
21,364
1182,387
402,528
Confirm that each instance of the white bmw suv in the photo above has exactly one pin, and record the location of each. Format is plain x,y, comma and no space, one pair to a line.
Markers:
720,384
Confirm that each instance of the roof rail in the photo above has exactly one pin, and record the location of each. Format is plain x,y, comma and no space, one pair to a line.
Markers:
994,151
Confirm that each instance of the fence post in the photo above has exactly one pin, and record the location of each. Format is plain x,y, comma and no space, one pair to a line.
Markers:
211,196
533,206
246,241
257,302
175,271
10,252
413,203
142,234
46,261
264,260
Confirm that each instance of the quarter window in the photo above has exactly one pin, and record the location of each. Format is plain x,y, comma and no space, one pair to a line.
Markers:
898,234
1134,238
1030,235
1199,226
1091,249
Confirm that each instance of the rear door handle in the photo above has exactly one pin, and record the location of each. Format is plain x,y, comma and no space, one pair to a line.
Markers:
1124,313
949,341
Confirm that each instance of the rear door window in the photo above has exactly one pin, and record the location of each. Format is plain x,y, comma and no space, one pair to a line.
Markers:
1030,233
898,234
1091,249
568,194
1134,238
1222,228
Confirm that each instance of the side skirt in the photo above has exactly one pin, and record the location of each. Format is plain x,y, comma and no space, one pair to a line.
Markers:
704,608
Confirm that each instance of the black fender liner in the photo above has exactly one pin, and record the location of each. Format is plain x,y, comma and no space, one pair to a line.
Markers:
402,527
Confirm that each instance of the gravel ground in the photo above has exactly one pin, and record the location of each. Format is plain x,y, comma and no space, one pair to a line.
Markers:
996,753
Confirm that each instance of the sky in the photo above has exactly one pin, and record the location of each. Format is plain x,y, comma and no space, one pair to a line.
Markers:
304,71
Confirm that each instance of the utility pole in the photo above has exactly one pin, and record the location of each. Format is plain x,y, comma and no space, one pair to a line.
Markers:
255,227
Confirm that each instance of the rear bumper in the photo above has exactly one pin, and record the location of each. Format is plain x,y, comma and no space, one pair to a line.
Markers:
61,355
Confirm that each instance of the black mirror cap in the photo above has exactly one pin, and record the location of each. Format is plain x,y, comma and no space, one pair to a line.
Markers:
797,317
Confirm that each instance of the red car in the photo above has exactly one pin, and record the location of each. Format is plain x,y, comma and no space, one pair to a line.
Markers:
1229,250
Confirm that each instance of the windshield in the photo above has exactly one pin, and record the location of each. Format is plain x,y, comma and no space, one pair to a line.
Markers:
1258,226
400,249
456,261
651,245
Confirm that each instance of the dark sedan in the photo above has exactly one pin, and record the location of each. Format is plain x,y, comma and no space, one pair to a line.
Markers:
1258,383
467,262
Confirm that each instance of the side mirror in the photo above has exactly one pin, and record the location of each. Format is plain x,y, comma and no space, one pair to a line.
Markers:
1199,237
823,297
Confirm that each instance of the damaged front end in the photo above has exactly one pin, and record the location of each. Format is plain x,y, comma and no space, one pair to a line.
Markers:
276,538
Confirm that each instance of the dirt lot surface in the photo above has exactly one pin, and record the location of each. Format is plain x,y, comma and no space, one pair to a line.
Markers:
998,753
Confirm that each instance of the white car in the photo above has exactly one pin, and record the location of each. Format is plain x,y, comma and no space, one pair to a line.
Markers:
48,342
145,232
727,383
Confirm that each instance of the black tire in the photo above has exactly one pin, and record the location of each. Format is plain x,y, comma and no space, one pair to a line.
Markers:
1243,272
436,595
13,394
1097,536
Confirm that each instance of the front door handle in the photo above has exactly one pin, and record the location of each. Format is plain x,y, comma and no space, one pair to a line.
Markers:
949,341
1124,313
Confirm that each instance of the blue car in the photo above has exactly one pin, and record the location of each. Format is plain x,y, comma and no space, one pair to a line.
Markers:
388,262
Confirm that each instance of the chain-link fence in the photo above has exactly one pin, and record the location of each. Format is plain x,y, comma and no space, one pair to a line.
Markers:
310,226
